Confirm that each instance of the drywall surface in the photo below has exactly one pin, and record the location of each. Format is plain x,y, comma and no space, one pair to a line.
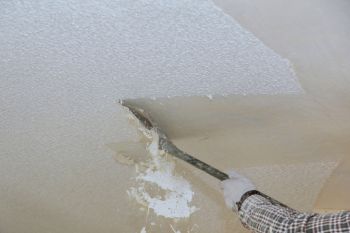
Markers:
296,184
130,49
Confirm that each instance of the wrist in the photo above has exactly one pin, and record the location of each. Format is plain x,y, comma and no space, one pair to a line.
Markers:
247,194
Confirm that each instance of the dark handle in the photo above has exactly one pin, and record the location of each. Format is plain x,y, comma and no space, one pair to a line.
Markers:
170,148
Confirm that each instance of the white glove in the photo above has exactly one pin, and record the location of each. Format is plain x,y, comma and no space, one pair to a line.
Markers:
234,188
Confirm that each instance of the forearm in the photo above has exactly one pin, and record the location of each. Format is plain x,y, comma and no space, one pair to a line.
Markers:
260,215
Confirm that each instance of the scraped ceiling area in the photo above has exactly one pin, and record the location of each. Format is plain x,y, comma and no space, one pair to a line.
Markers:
218,90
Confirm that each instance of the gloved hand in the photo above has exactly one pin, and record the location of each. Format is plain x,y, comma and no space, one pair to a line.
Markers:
234,188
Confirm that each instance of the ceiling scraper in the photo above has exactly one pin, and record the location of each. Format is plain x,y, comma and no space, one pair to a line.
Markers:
166,145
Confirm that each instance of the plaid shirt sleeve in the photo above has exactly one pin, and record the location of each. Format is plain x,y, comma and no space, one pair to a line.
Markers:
260,215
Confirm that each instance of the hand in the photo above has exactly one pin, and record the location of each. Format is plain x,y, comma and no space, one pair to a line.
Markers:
235,187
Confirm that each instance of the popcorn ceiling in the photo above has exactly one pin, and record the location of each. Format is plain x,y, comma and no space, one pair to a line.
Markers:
131,49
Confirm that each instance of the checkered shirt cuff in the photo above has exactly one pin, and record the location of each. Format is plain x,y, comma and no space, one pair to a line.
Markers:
260,215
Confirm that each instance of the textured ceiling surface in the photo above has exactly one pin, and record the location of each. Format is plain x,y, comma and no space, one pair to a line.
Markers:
130,49
64,64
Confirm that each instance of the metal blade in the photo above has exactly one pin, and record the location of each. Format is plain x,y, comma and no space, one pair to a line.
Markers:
140,114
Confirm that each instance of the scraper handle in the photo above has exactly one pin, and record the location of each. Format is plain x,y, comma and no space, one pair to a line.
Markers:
170,148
